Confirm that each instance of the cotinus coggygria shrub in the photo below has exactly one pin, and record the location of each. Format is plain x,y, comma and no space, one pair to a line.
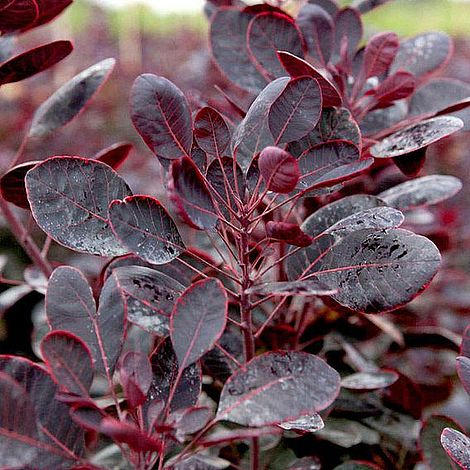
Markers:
234,287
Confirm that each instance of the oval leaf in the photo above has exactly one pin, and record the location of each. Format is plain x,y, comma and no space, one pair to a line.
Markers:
12,184
145,228
69,198
69,360
463,369
416,137
379,54
67,102
279,170
34,61
302,384
309,423
211,131
190,195
296,111
289,233
369,380
198,320
457,446
161,115
135,372
115,155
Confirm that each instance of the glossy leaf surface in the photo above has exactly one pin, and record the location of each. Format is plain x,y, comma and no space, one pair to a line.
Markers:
309,423
457,446
279,170
69,198
369,380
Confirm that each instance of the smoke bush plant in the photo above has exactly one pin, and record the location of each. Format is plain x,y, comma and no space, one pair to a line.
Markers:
263,268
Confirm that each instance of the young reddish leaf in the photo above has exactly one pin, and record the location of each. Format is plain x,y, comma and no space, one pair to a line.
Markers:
211,131
437,95
20,440
317,28
27,14
299,288
348,30
136,377
416,136
150,296
463,369
434,455
69,361
296,111
144,227
69,198
165,372
70,306
253,134
395,87
63,439
379,54
67,102
161,115
279,169
115,155
12,184
130,434
308,423
297,67
363,381
301,384
457,446
268,33
228,32
190,195
395,265
411,163
34,61
287,232
423,191
423,54
198,320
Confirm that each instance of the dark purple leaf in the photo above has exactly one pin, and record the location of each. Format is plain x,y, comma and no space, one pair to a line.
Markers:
135,372
198,320
465,346
379,54
457,446
330,6
317,29
165,371
191,420
416,136
463,369
423,54
398,86
35,60
436,95
67,102
277,387
363,381
308,423
190,195
423,191
129,434
63,438
199,157
144,227
211,131
70,306
27,14
297,67
161,115
433,454
296,111
20,440
150,296
405,396
298,288
115,155
268,33
379,271
279,169
253,134
412,163
12,184
335,124
364,6
348,31
287,232
69,361
69,198
228,34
